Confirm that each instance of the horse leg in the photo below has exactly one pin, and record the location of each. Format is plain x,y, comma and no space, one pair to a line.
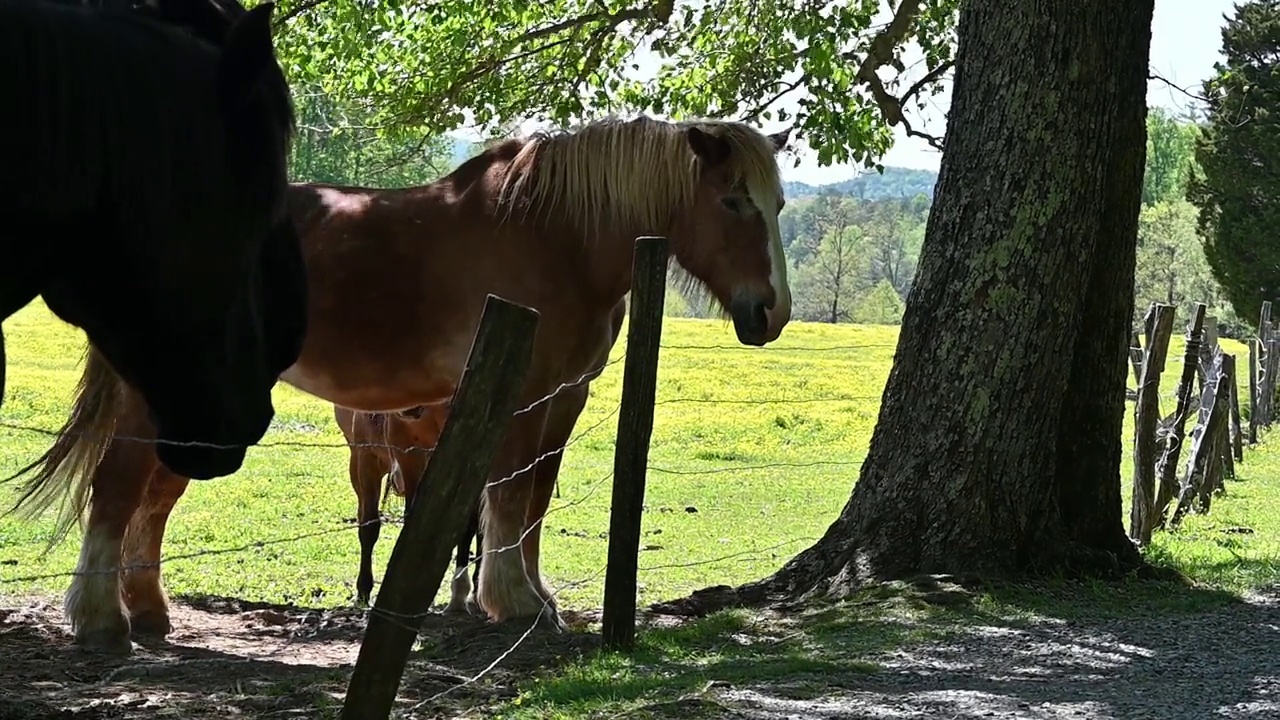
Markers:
460,588
560,421
144,594
94,604
366,469
504,590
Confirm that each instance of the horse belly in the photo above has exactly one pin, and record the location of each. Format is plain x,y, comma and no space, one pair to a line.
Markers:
391,394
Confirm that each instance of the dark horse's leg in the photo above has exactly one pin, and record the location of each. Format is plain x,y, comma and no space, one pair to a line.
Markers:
460,587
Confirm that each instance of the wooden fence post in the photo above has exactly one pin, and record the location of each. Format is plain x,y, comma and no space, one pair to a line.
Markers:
1264,364
1201,470
1272,367
635,427
449,492
1159,327
1255,415
1236,451
1167,467
1135,361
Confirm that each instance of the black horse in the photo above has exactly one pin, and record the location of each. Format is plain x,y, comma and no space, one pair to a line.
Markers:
144,198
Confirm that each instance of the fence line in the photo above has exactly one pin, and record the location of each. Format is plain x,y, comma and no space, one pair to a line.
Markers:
1217,436
406,621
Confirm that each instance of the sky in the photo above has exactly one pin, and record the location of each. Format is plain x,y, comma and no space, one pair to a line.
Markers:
1185,37
1185,40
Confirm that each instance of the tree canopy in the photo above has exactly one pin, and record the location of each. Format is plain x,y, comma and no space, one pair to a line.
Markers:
1239,151
430,65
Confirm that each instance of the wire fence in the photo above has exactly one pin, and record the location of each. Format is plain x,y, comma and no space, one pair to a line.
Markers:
771,463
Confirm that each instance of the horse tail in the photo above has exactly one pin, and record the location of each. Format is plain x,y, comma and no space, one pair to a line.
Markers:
64,473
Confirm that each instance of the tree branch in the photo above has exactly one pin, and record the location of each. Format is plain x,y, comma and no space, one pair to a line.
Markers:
1153,75
660,11
304,6
880,53
930,77
763,105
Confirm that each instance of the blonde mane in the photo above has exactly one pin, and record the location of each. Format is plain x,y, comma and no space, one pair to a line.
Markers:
633,175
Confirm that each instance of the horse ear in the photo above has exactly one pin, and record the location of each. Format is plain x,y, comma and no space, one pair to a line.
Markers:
711,149
248,53
208,19
780,139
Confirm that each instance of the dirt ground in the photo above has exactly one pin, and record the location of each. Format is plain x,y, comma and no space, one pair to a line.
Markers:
228,658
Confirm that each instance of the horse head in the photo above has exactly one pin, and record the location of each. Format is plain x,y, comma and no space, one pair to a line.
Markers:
728,238
200,303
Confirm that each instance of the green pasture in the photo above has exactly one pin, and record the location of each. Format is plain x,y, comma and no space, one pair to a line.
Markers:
754,453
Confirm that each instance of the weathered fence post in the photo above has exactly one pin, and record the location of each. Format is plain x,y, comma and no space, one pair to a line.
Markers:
450,489
1208,347
1167,468
1135,361
1159,328
1235,452
1255,415
635,427
1204,455
1272,367
1265,356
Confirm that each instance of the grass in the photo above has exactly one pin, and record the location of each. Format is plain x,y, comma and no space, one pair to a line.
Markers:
754,453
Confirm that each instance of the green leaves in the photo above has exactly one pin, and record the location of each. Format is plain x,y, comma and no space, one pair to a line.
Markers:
434,66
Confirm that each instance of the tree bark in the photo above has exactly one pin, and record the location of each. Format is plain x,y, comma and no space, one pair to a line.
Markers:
997,449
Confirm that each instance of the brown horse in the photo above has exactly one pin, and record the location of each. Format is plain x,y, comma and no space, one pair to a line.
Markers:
398,446
397,281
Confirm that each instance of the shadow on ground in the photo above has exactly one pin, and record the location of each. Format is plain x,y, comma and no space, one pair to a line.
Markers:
1057,650
228,658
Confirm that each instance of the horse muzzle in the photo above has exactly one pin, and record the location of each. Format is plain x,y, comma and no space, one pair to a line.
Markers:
750,319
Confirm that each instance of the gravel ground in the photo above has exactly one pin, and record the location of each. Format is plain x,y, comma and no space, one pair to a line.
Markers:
1219,664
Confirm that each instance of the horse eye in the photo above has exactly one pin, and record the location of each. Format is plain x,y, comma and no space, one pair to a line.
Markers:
733,203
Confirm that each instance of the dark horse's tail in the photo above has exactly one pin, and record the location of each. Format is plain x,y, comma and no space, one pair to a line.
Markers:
64,473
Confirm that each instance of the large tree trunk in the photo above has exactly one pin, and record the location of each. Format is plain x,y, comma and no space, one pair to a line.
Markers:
998,446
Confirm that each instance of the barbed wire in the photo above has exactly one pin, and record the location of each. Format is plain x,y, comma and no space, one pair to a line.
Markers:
584,493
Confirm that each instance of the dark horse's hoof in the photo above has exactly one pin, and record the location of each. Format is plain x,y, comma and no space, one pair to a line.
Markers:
549,619
105,641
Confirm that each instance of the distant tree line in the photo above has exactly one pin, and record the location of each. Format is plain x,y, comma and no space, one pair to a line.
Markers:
853,259
852,247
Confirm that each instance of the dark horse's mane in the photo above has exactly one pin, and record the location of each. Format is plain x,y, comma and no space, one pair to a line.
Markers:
103,68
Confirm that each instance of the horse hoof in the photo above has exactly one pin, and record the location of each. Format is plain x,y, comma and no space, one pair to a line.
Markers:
105,641
550,619
150,624
473,608
457,607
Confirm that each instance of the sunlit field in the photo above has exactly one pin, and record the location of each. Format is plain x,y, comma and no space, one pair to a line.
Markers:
755,450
